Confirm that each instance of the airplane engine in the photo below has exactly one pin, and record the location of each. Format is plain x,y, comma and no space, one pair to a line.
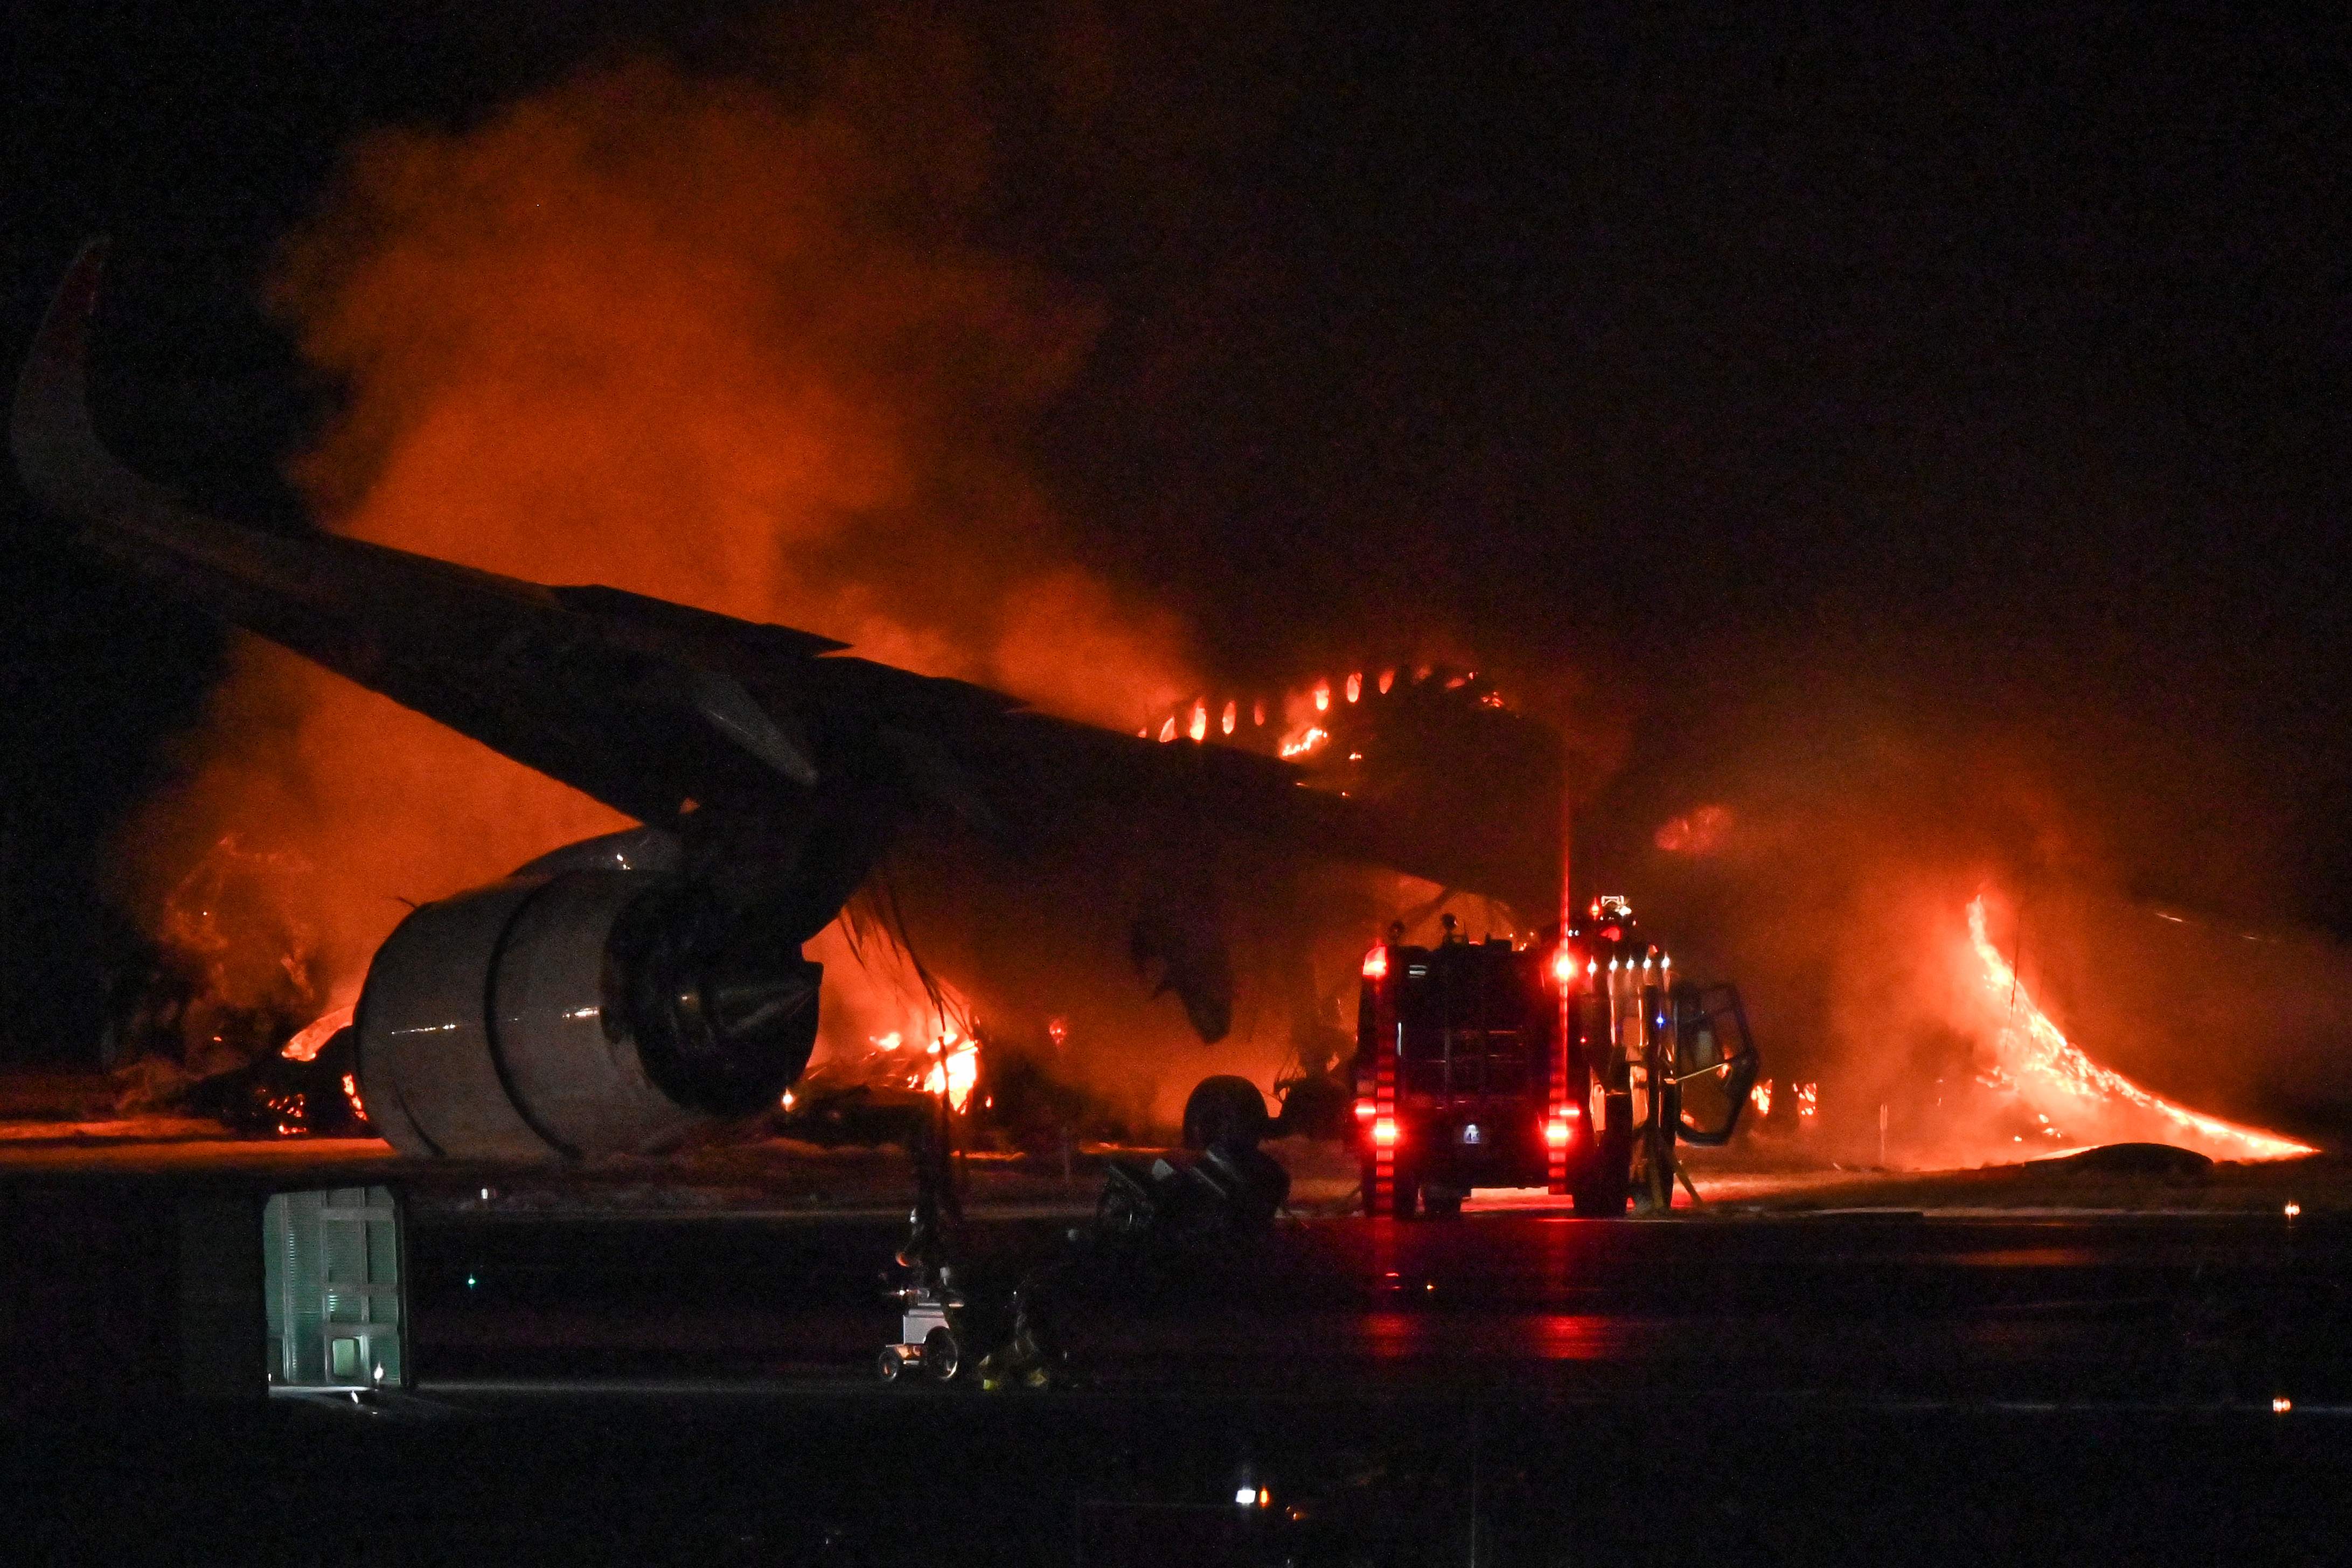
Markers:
575,1013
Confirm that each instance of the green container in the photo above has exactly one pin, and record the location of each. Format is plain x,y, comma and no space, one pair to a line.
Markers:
331,1265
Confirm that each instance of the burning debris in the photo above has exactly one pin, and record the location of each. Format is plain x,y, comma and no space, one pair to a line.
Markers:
287,1093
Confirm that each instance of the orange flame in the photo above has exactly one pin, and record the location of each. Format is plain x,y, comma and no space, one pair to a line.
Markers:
955,1071
314,1036
2051,1072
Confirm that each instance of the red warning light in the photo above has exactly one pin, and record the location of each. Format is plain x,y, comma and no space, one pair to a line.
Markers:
1376,964
1384,1132
1365,1109
1563,965
1557,1132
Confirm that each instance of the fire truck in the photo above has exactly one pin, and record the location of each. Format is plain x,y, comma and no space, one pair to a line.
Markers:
1578,1066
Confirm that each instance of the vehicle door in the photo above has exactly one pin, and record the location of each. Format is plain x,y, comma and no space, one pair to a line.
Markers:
1715,1063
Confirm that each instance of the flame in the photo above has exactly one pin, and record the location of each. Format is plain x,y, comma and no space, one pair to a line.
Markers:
1355,686
1230,714
1307,741
1168,730
2047,1069
1322,697
1199,728
1808,1099
314,1036
1760,1096
955,1070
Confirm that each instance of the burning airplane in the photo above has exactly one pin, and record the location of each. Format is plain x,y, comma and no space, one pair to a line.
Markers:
611,994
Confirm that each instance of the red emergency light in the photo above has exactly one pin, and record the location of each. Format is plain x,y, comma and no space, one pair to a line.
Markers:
1563,965
1384,1133
1557,1132
1376,964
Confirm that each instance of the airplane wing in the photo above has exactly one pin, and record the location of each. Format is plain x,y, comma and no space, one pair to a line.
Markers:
648,705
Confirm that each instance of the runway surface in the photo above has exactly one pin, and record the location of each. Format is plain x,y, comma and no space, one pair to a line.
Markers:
622,1385
1885,1305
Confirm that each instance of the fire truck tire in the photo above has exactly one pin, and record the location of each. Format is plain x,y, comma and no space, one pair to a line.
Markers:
1608,1181
1224,1106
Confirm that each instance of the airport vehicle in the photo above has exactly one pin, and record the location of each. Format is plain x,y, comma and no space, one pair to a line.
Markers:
1577,1067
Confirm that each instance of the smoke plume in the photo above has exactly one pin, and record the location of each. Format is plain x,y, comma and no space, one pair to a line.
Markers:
677,335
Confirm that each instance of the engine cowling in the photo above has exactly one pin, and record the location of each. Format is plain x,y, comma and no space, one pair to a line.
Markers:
574,1010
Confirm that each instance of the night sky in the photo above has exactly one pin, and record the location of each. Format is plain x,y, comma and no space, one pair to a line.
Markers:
1982,371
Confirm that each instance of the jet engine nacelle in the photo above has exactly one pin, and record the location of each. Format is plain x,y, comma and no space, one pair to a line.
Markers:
577,1009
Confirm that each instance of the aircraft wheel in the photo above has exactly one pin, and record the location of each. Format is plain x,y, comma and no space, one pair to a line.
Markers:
891,1363
942,1357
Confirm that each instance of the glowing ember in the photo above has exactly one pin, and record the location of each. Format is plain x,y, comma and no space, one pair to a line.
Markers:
314,1036
2047,1069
